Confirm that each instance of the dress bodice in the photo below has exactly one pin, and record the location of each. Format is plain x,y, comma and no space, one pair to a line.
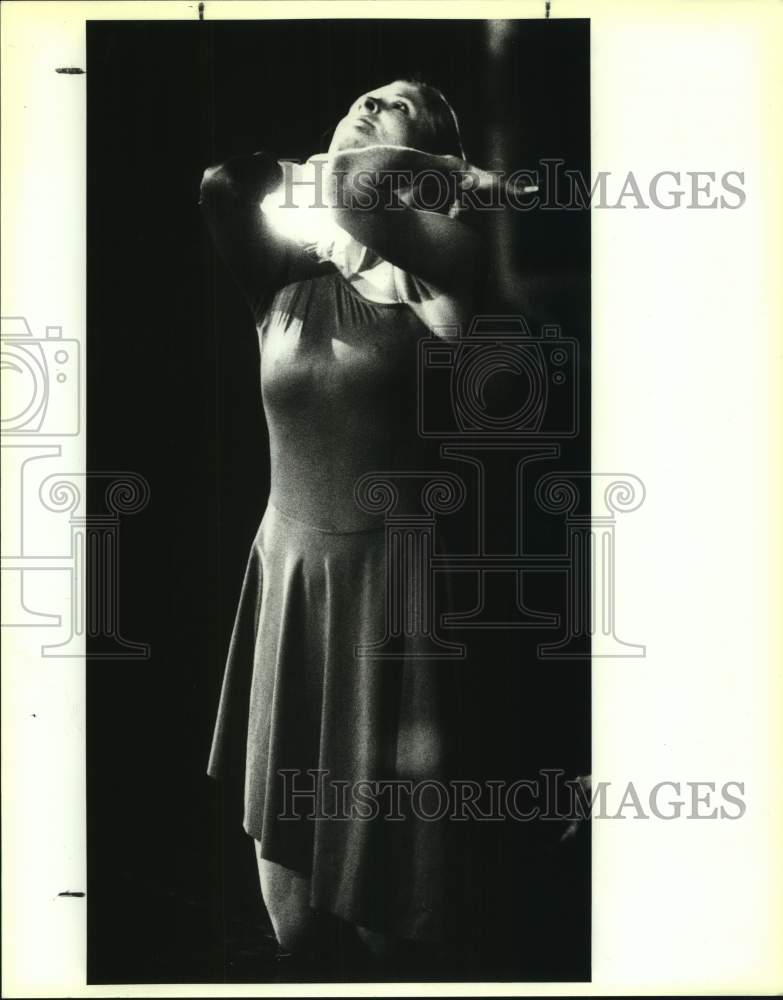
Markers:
339,386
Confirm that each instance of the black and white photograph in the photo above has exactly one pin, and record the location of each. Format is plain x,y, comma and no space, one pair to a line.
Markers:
373,416
370,388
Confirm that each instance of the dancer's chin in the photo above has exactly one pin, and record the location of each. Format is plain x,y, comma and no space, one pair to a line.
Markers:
355,136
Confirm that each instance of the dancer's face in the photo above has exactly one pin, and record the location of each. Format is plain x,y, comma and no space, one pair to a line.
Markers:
392,115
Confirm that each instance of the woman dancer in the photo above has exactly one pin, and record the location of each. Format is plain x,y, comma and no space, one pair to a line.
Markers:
318,709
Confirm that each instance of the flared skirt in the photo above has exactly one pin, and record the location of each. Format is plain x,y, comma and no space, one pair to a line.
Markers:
350,704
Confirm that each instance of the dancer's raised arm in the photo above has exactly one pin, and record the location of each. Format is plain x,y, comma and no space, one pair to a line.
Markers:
260,259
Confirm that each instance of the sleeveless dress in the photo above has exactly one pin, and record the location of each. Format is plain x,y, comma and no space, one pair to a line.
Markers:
332,716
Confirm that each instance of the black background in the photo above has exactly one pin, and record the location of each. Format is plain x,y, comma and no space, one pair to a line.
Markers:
173,394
